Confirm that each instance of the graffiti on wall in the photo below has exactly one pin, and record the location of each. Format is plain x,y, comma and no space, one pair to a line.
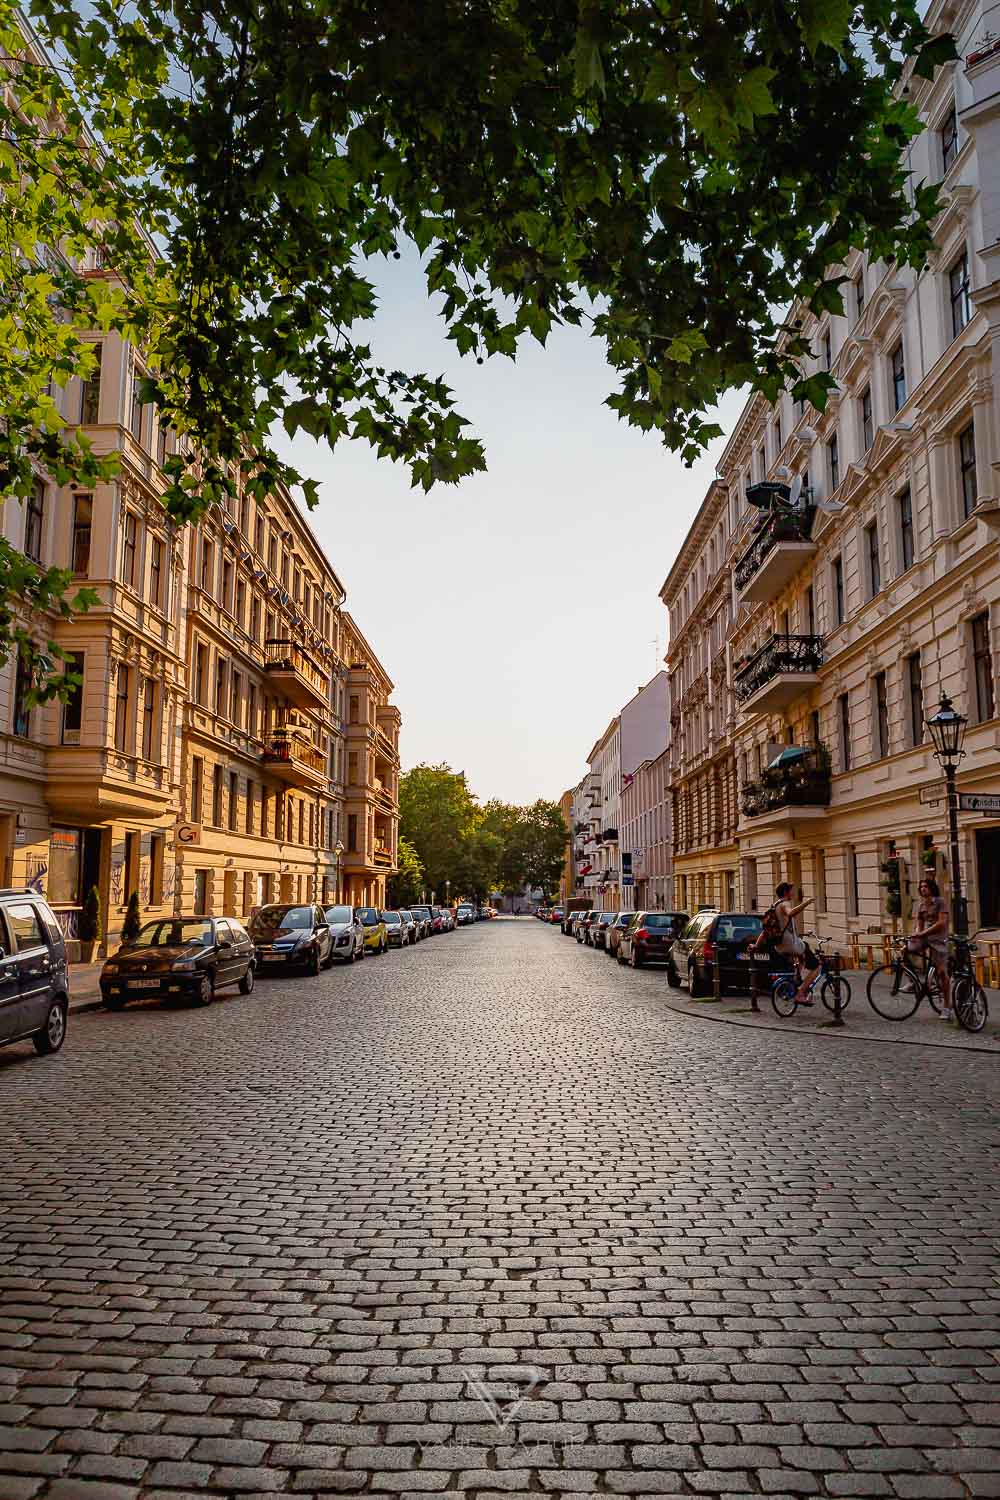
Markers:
117,881
36,870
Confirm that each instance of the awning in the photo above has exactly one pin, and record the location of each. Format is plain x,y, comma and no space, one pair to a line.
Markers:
790,756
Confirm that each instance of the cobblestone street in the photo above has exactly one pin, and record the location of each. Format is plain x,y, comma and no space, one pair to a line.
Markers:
486,1218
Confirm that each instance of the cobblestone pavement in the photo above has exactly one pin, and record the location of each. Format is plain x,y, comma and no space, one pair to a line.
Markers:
485,1218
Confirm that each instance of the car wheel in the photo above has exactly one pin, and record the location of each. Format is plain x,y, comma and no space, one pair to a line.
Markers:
206,991
53,1033
247,982
314,963
620,956
673,978
356,953
696,988
328,960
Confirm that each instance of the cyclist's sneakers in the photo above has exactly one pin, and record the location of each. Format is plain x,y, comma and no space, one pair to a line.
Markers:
947,1015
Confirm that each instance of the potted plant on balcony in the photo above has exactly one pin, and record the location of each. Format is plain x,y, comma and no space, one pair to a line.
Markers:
89,927
891,882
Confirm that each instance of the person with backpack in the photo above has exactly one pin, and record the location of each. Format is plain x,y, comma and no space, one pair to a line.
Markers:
778,933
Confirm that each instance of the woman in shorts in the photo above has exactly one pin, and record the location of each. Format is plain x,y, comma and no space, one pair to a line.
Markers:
930,936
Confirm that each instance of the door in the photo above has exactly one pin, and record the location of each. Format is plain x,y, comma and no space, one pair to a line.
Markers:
988,871
33,962
9,988
229,966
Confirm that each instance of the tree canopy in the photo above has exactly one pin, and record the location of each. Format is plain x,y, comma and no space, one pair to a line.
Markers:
672,175
407,884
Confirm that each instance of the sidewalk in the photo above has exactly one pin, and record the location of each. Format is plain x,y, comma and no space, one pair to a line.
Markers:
860,1021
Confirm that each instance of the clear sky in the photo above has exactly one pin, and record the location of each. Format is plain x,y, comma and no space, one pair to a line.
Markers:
517,611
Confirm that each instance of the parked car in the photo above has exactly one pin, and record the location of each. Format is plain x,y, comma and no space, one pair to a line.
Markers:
34,982
437,919
193,957
422,916
710,938
395,930
616,931
410,924
648,937
465,916
583,925
346,934
599,929
556,916
376,937
447,919
295,936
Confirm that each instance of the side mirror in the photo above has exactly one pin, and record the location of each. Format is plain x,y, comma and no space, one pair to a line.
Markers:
224,943
3,953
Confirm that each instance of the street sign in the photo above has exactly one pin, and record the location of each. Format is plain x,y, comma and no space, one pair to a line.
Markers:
985,803
932,793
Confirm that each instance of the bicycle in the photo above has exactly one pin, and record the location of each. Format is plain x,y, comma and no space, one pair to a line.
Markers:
968,998
896,989
834,991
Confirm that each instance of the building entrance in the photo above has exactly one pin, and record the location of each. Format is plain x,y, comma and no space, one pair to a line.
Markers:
988,874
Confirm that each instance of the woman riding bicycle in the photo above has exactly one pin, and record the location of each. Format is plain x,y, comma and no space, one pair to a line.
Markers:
930,937
790,944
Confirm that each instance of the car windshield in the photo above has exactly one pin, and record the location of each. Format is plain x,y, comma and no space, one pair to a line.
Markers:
174,934
391,918
623,919
338,914
657,919
368,915
271,920
406,916
607,918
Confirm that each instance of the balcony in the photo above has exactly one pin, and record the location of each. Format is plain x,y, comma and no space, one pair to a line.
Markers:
780,546
383,856
784,668
797,791
292,758
610,835
292,672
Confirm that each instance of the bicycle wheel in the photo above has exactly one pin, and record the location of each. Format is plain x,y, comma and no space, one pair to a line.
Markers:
969,1000
894,991
783,997
932,989
836,983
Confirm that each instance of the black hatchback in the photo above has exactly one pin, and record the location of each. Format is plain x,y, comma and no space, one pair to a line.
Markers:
34,983
190,957
715,938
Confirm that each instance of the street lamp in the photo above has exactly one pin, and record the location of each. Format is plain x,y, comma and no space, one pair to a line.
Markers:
947,729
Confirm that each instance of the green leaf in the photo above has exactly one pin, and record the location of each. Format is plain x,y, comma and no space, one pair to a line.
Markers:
825,22
939,50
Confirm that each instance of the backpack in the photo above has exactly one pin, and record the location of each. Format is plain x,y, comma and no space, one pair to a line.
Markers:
771,931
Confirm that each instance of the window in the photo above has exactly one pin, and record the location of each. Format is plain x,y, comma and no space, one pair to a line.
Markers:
915,693
272,555
905,512
837,570
778,438
227,585
898,377
352,768
302,822
252,708
135,416
220,687
156,572
197,777
949,138
352,833
967,469
234,800
844,720
161,445
34,521
200,891
122,695
217,796
130,534
982,666
201,675
255,619
235,697
207,565
83,516
851,872
761,462
72,709
859,293
881,706
249,807
157,846
240,609
819,879
827,351
874,563
90,391
867,420
148,719
132,850
353,717
809,611
833,460
958,294
814,727
25,928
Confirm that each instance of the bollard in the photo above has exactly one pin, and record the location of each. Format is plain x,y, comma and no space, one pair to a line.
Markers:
717,978
838,1008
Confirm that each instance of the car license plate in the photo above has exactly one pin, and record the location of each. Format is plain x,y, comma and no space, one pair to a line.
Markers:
273,958
144,984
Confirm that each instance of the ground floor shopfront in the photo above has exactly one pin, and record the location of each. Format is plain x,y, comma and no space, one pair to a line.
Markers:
707,877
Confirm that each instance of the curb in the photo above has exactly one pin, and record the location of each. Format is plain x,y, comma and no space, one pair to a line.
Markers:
838,1034
80,1007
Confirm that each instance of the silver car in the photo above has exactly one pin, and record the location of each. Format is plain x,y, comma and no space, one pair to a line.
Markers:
347,934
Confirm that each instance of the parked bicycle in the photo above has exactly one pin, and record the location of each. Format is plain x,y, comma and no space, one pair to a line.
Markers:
834,989
896,989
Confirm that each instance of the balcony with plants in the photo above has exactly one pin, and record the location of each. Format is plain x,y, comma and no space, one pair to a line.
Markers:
780,671
795,784
780,544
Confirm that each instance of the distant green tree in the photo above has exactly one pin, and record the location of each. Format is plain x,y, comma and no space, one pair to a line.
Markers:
437,812
407,885
545,835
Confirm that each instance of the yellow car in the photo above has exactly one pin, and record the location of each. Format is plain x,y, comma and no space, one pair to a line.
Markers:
376,937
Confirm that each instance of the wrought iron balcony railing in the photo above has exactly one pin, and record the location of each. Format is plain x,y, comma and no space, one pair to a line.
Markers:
806,784
779,526
799,654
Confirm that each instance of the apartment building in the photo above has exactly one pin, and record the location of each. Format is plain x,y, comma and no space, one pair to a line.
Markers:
372,787
814,632
602,814
202,762
646,831
567,880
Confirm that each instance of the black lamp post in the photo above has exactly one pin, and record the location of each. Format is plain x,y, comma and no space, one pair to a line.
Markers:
947,729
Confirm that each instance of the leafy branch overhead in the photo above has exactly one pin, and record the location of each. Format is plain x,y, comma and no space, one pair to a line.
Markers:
670,175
